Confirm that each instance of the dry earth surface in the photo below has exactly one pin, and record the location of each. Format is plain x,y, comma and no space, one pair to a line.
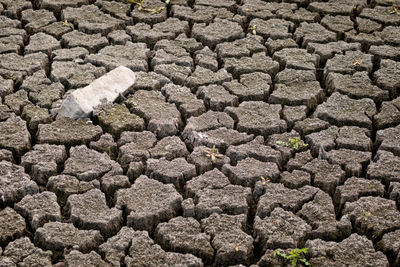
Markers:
303,93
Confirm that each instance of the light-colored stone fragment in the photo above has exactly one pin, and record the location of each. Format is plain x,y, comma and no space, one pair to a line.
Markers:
81,102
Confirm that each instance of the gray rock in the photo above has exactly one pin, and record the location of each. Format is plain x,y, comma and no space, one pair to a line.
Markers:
176,73
39,209
81,102
87,164
14,183
90,211
44,161
258,118
57,235
66,131
355,250
58,29
163,118
184,235
373,216
282,229
13,225
148,202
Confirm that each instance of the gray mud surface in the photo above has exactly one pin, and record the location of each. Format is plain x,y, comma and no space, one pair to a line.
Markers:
254,126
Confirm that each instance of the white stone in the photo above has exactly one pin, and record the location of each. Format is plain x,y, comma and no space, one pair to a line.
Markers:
80,103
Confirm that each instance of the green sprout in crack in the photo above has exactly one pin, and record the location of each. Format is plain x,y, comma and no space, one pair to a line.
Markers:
295,143
253,29
366,215
212,154
264,180
294,256
154,10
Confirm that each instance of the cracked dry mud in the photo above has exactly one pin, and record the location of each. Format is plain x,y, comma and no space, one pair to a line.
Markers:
254,126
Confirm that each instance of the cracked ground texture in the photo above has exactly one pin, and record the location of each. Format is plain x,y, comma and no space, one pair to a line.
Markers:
254,126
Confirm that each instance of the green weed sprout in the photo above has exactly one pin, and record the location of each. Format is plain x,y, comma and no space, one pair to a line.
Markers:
212,154
140,3
296,143
294,256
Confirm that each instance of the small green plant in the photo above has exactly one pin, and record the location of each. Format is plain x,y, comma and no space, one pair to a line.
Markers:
264,180
294,256
253,29
395,10
154,10
366,215
212,154
296,143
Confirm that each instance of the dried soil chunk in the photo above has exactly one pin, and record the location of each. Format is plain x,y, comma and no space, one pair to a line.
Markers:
352,161
245,47
143,33
13,8
258,118
134,146
216,97
262,10
14,135
115,247
176,73
148,202
184,235
39,208
294,113
118,37
210,120
139,15
41,42
213,179
248,171
149,81
169,147
313,33
299,15
90,19
57,29
294,76
22,252
92,42
257,63
296,178
17,101
276,195
111,183
320,214
279,44
163,118
66,54
87,164
130,55
325,175
119,10
35,115
333,7
349,63
272,28
187,102
390,35
58,5
387,76
339,24
390,244
329,50
66,131
309,94
296,58
116,118
355,250
299,160
323,140
199,157
389,140
385,167
373,216
202,77
385,52
43,161
352,137
13,225
282,229
74,75
92,259
56,236
16,67
7,87
217,32
6,155
232,244
90,211
354,188
66,185
389,115
367,25
14,183
254,149
175,172
381,14
287,148
342,110
105,144
356,86
222,138
143,249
